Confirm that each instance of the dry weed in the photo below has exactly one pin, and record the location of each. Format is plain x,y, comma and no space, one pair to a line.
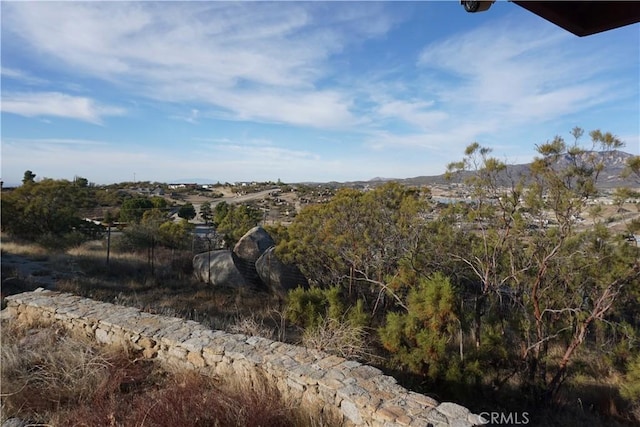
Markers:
340,338
253,327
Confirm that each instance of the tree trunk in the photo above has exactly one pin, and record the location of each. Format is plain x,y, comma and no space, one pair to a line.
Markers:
558,378
479,304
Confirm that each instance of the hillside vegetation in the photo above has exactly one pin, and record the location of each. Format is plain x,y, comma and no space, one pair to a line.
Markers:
521,296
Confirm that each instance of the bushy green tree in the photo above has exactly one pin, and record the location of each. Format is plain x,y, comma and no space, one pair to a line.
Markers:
306,308
109,197
541,281
523,283
220,212
80,181
28,178
237,221
159,202
175,235
48,209
187,211
309,307
421,336
206,213
358,239
133,209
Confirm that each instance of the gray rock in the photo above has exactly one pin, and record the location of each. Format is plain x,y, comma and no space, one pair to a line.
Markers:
437,419
453,410
218,268
350,410
253,244
477,420
277,276
247,251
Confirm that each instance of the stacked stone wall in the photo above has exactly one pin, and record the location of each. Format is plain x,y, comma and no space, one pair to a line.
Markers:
346,390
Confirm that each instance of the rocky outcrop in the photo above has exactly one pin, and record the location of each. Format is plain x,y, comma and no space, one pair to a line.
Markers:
278,277
247,251
218,268
253,244
252,263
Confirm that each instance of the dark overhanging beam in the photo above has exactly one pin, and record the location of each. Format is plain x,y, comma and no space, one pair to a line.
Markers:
584,18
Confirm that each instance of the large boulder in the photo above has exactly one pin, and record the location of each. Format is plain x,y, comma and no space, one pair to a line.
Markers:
218,268
247,251
277,276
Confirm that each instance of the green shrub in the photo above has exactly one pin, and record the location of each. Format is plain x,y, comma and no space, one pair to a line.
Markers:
309,308
305,308
631,388
418,338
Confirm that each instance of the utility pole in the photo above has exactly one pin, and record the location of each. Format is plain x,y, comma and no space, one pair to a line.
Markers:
209,259
108,241
109,221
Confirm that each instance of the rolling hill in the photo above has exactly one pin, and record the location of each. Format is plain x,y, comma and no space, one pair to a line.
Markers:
610,177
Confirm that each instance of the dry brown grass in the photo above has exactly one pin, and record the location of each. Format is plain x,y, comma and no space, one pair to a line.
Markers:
44,369
30,250
128,280
52,378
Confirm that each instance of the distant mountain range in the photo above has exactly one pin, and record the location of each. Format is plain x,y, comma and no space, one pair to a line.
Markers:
614,164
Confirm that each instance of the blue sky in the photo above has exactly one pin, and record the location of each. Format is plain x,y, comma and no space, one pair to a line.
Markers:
296,91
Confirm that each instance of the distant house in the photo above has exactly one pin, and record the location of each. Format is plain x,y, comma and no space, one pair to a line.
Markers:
182,186
143,190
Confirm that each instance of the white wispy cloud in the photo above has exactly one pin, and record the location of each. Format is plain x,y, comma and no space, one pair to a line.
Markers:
42,142
56,104
265,62
519,72
491,81
420,114
264,150
20,75
192,117
253,61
